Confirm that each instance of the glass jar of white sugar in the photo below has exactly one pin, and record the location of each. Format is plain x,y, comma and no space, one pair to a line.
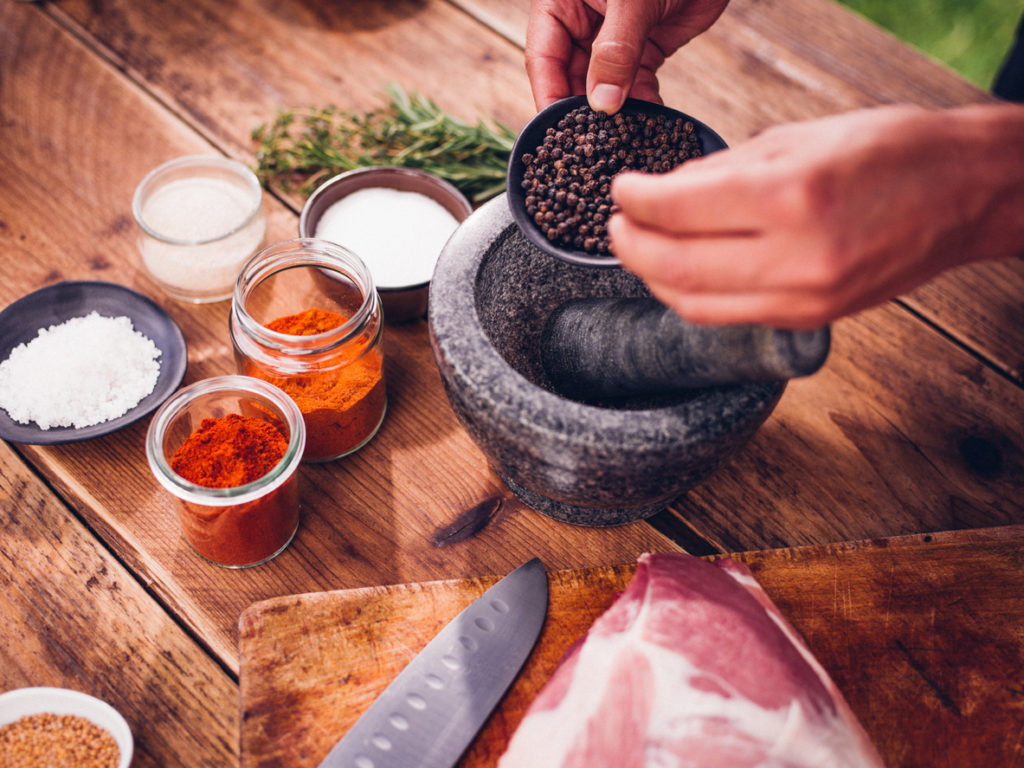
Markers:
200,218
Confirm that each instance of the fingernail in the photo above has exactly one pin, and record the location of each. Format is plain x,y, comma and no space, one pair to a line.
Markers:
605,97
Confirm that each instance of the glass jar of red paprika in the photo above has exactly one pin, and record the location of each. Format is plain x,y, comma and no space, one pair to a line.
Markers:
305,316
239,525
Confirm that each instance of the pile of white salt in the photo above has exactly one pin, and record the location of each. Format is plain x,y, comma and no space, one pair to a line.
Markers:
81,372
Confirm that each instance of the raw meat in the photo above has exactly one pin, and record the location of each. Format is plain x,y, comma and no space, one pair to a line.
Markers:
692,666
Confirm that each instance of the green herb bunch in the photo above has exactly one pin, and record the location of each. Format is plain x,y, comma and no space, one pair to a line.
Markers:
300,149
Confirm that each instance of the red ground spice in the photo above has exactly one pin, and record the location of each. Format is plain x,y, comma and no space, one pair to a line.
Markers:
229,451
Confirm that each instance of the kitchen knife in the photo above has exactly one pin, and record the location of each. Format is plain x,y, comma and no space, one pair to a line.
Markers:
430,713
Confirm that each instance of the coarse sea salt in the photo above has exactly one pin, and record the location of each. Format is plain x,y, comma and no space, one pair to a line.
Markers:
398,234
84,371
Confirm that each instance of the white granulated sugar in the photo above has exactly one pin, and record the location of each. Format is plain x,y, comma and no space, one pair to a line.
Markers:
398,234
81,372
197,209
210,221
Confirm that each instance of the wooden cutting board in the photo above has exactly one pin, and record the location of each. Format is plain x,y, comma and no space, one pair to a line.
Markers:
923,634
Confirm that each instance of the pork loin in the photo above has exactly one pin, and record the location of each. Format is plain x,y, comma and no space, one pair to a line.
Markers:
692,665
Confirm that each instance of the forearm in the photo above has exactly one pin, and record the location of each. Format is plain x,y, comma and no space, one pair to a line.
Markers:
991,140
810,221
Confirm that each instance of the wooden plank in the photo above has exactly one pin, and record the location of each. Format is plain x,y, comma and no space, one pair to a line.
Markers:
921,634
803,60
894,414
369,519
74,617
751,28
988,325
226,70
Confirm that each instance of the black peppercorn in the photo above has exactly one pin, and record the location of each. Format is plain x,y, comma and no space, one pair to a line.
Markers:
568,177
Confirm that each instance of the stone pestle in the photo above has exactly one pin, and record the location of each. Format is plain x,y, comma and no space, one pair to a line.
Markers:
605,348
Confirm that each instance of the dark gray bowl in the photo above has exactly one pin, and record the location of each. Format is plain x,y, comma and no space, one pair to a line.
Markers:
581,463
21,321
531,137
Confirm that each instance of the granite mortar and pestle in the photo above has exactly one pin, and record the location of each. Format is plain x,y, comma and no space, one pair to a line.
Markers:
593,463
593,403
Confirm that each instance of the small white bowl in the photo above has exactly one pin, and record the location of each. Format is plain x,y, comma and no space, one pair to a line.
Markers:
22,702
401,302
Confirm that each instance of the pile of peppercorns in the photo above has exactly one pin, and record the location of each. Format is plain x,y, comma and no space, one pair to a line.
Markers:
567,180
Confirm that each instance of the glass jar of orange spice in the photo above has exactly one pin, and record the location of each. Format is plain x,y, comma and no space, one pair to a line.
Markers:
229,448
305,316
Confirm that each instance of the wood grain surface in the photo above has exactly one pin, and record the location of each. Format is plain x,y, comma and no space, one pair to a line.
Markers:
912,427
369,519
761,64
74,617
886,618
879,429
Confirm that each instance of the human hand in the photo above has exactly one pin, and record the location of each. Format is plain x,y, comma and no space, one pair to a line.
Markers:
608,50
811,221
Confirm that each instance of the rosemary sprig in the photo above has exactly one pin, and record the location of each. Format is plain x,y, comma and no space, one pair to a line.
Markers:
301,148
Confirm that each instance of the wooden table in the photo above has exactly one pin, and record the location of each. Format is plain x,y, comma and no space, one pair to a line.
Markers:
914,426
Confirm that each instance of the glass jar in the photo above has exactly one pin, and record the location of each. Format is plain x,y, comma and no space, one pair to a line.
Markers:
306,317
199,219
238,526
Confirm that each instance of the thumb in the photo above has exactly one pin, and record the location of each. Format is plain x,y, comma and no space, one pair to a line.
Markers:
616,53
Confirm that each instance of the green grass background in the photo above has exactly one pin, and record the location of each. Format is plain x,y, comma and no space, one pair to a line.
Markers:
969,37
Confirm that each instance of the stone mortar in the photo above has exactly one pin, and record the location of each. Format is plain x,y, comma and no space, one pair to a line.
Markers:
587,464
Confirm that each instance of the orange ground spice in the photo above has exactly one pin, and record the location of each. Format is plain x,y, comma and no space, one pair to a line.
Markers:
307,323
342,398
227,452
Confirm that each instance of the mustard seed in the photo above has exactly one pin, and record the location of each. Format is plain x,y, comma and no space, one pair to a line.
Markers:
57,741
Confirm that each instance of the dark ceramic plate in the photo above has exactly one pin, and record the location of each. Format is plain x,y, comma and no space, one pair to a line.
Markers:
55,304
531,137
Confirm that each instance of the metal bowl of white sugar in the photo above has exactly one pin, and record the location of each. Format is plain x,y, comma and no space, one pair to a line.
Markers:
396,220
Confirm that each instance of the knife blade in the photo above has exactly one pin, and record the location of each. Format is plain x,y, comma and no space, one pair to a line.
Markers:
433,709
